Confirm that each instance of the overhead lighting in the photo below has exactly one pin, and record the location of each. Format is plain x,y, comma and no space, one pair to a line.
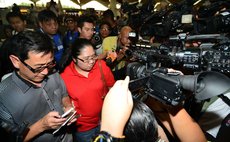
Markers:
118,5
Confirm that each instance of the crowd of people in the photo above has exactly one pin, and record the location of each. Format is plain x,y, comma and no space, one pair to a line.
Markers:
46,73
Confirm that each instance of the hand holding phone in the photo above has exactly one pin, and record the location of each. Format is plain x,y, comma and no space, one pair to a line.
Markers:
69,115
67,112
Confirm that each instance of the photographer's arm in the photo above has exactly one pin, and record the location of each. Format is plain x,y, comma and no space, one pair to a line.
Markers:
177,121
186,129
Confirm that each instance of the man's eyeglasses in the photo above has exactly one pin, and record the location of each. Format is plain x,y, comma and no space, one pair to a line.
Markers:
92,58
40,69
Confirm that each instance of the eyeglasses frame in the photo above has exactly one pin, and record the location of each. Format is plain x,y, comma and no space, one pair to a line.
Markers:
40,69
88,60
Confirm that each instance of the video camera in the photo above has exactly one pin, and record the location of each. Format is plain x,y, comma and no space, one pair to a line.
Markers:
148,78
180,17
168,87
209,56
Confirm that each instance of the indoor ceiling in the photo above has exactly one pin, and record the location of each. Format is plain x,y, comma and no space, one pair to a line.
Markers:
106,2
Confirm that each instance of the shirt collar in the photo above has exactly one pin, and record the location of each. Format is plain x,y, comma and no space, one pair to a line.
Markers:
23,84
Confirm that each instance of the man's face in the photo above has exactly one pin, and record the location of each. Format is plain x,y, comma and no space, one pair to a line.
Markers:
104,31
124,37
50,27
17,24
35,61
71,25
87,58
86,31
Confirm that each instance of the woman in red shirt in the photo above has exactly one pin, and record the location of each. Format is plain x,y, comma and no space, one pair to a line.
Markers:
86,84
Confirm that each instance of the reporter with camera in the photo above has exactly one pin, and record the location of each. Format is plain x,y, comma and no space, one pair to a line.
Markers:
104,31
177,122
141,125
114,48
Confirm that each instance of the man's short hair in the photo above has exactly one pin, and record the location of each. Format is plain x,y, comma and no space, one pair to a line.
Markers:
84,19
26,41
108,13
70,18
14,14
46,15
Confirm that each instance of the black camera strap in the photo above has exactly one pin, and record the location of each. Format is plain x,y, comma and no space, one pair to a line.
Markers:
225,99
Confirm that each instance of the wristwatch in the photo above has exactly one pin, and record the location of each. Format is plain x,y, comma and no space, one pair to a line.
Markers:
104,136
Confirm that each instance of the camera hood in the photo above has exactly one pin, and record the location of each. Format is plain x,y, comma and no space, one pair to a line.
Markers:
210,84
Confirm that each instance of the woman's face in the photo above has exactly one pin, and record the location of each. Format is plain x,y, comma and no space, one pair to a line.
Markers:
104,31
87,58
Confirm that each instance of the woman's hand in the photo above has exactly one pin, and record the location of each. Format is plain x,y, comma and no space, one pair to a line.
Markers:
117,108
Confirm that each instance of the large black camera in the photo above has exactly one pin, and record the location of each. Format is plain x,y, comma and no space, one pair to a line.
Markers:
180,17
149,79
208,56
168,87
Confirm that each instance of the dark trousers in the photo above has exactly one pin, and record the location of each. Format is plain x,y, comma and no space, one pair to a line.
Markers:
87,135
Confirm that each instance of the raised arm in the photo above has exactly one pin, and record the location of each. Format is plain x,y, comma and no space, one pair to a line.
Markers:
178,122
117,108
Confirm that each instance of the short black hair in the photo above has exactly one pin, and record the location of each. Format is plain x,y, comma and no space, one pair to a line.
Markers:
70,53
14,14
70,18
108,13
27,41
142,125
84,19
46,15
105,23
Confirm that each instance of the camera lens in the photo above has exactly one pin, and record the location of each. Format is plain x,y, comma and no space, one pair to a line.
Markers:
128,53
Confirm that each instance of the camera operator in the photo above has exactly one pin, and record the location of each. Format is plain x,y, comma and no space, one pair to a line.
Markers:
104,31
114,49
137,121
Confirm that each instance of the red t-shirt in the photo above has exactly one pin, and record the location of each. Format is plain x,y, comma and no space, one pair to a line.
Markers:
87,93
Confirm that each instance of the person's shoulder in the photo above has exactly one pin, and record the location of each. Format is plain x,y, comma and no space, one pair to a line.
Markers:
54,79
54,75
103,63
68,71
7,85
111,38
6,76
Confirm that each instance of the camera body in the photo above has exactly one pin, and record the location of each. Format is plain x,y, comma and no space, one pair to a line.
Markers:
206,57
96,40
148,78
151,85
171,20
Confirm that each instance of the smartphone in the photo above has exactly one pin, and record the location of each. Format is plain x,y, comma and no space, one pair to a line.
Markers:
73,114
67,112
